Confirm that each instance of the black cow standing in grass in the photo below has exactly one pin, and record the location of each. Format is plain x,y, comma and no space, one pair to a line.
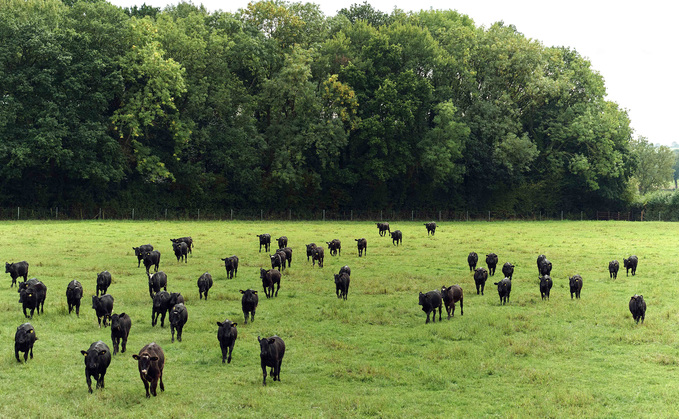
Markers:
178,317
227,335
282,242
396,237
97,360
140,251
103,306
430,302
431,228
335,247
362,245
181,251
264,240
545,267
541,259
269,279
151,362
16,270
345,270
631,263
74,293
288,254
249,303
319,255
480,278
450,296
508,270
187,240
103,282
204,284
491,262
342,285
575,283
271,351
310,250
277,261
637,306
157,281
231,265
161,305
23,341
120,330
383,228
504,288
32,294
545,286
152,258
472,260
613,268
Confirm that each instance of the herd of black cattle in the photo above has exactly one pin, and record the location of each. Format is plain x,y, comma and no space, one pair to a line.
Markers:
151,359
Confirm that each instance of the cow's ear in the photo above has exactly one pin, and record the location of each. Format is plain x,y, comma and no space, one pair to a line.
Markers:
30,331
255,292
84,352
242,292
103,352
220,324
272,340
121,314
153,358
259,339
135,356
30,295
234,324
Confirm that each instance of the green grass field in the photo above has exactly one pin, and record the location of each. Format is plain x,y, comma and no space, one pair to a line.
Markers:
372,355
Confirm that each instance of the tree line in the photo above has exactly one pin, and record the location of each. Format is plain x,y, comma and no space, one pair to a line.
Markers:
279,105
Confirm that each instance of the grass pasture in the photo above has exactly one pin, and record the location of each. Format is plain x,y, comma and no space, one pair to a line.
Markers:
371,355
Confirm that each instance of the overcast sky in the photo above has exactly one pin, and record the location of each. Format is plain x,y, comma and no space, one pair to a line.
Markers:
632,44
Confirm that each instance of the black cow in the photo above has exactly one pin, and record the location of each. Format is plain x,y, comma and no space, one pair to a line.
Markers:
178,317
319,255
249,304
271,355
151,361
631,263
140,251
204,284
508,270
74,292
491,261
288,254
383,228
175,298
278,260
97,360
342,285
545,286
613,268
103,306
181,251
345,270
269,279
545,267
334,246
231,265
575,283
396,237
431,228
637,306
362,245
430,302
157,281
23,341
472,260
310,250
103,282
504,288
541,259
480,278
161,304
264,240
227,335
152,258
187,240
282,242
120,330
450,296
16,270
32,294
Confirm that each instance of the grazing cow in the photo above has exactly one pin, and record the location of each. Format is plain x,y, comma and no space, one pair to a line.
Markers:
319,255
187,240
480,278
288,254
231,265
269,279
161,305
97,360
472,260
175,298
157,281
504,288
178,317
541,259
278,260
345,270
383,228
575,283
181,251
430,302
227,335
450,296
103,282
74,292
151,361
396,237
16,270
271,354
264,240
362,245
545,286
508,270
32,294
120,330
631,263
334,246
204,284
282,242
431,228
613,268
342,285
310,250
140,251
23,341
637,306
491,261
103,306
152,258
249,304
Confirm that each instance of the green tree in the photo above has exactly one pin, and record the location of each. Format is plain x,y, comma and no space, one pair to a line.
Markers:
654,168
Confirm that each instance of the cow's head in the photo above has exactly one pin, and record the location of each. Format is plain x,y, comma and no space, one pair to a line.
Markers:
144,360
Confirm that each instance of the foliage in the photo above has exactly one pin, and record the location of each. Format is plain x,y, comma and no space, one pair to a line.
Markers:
655,165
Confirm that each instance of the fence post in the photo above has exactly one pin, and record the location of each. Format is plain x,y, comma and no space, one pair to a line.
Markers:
323,215
18,213
166,214
488,215
439,215
231,214
580,215
198,214
133,213
467,215
289,214
561,215
352,215
261,215
380,215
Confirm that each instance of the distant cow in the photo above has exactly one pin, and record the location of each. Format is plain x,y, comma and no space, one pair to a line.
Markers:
334,246
161,305
103,306
637,306
157,281
249,303
288,254
431,228
383,228
342,285
450,296
491,262
74,292
504,288
430,302
345,270
545,267
310,250
140,251
23,341
282,242
16,270
278,260
181,251
120,330
271,351
231,265
269,279
152,258
480,278
264,240
32,294
151,361
178,317
508,270
204,284
103,282
318,255
362,245
227,335
187,240
97,360
541,259
545,286
631,263
472,260
396,237
575,283
613,268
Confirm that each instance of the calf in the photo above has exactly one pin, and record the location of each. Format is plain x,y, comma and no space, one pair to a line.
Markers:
32,294
282,242
161,304
310,250
472,260
120,330
271,351
227,335
334,246
97,360
383,228
231,265
345,270
152,258
450,296
342,285
249,303
187,240
430,302
16,270
140,251
613,267
178,317
631,263
504,288
204,284
23,341
264,240
151,361
541,259
575,283
269,279
103,282
278,260
637,306
175,298
157,281
103,306
288,254
431,228
319,255
491,261
74,292
480,278
181,251
396,237
508,270
362,245
545,286
545,267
